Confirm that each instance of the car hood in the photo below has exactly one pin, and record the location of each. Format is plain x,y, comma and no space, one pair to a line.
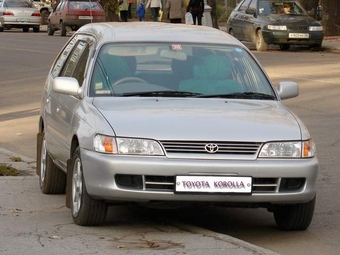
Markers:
203,119
300,20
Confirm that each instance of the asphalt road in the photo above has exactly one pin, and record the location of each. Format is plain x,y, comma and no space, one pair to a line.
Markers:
26,59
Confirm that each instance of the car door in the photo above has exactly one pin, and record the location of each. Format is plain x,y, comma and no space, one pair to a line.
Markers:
71,63
250,21
56,14
238,19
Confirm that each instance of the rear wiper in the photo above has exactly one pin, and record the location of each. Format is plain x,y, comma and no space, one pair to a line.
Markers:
241,95
165,93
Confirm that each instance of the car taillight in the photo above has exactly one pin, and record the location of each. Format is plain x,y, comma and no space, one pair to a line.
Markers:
8,13
36,14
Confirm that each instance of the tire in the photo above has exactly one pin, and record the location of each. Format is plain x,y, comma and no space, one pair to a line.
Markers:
259,41
1,29
316,47
231,32
51,179
36,29
50,29
284,46
44,17
86,211
62,29
25,29
295,217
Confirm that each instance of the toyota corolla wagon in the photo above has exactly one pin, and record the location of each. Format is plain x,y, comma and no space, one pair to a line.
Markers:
152,112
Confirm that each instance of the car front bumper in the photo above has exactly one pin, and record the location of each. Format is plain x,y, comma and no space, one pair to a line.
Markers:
282,37
101,171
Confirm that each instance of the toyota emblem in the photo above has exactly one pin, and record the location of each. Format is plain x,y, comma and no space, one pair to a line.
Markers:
211,148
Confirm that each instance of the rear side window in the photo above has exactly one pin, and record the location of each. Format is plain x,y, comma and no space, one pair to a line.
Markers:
84,5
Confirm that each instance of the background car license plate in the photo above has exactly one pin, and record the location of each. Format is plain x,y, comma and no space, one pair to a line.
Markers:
298,35
85,17
213,184
23,20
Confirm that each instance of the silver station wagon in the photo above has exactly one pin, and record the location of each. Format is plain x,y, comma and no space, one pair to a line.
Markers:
164,114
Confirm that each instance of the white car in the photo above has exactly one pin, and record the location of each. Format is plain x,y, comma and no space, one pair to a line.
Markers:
159,113
19,14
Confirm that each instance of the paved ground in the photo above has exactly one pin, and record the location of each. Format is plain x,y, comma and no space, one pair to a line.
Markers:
32,223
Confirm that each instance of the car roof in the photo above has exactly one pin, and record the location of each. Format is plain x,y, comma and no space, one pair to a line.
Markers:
157,32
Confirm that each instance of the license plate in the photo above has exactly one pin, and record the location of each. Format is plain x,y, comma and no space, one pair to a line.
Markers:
298,35
85,17
23,20
213,184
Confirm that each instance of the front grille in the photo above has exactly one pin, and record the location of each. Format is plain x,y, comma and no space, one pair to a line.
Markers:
300,28
166,183
230,148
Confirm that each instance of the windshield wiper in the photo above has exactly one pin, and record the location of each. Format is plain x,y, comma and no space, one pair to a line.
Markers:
239,95
165,93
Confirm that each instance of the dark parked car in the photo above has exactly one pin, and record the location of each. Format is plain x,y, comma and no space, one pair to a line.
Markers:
71,15
282,23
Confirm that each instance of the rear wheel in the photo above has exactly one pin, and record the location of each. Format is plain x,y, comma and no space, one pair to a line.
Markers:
25,29
51,179
36,29
284,46
86,211
295,217
1,29
50,29
259,41
62,29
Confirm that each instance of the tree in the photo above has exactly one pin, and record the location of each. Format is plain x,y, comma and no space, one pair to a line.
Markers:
330,11
331,17
111,9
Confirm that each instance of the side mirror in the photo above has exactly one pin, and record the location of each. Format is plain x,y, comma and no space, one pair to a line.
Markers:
67,86
288,89
251,11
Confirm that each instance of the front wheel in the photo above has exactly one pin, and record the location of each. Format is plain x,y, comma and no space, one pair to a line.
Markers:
259,41
25,29
86,211
50,29
284,46
295,217
51,179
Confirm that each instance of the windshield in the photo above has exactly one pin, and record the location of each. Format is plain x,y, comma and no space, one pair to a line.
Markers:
280,7
19,3
178,70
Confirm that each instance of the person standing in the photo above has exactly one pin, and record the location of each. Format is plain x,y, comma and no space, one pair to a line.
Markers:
175,10
155,6
123,10
129,9
196,7
141,11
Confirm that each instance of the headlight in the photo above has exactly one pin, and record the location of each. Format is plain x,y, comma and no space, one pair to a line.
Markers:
127,146
304,149
276,27
316,28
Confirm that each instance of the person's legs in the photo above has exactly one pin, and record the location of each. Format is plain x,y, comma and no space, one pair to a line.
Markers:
154,12
123,16
129,11
199,20
194,16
